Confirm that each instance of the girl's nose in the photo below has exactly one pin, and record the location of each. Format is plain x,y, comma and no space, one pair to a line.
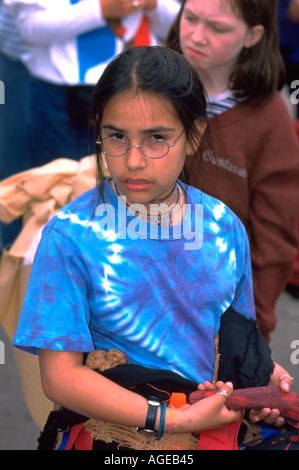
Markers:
200,34
135,158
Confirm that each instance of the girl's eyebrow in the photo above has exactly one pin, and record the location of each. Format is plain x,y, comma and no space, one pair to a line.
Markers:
151,130
212,19
111,127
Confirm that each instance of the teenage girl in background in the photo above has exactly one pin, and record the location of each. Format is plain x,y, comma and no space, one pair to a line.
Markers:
253,166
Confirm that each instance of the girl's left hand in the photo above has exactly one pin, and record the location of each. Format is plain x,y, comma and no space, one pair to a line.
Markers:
279,378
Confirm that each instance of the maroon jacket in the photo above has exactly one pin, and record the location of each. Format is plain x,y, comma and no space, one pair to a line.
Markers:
252,165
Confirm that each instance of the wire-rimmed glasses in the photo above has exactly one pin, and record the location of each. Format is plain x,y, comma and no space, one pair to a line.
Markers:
150,148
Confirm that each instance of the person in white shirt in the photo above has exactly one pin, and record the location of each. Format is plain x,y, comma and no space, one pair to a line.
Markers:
71,42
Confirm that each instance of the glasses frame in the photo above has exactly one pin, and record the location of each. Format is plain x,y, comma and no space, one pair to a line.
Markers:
140,147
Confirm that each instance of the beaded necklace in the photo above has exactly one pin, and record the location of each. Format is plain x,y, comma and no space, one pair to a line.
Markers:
155,214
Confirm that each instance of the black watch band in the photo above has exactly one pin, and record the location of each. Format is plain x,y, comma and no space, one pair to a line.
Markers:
153,405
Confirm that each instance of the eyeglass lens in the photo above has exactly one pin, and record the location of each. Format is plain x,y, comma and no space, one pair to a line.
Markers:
150,148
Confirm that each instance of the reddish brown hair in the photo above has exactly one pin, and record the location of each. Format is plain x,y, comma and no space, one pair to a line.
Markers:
259,70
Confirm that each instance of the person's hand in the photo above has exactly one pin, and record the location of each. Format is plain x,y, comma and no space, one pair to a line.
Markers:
293,10
210,386
279,378
121,8
204,415
149,4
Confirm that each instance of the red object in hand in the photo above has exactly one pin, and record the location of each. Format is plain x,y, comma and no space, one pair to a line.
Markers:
258,398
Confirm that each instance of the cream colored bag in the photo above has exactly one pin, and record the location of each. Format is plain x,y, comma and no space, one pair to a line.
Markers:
35,195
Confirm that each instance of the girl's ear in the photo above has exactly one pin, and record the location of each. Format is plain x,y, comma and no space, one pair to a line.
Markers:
255,34
192,144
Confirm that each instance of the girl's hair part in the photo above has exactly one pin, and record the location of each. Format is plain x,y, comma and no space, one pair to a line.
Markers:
152,69
259,70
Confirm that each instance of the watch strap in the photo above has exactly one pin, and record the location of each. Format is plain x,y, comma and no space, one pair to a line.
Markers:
151,414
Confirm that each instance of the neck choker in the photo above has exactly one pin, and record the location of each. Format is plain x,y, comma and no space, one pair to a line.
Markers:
154,211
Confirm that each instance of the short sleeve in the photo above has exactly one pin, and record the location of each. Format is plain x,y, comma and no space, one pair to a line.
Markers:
56,313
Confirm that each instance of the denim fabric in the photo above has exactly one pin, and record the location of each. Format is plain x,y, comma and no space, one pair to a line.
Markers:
53,134
15,114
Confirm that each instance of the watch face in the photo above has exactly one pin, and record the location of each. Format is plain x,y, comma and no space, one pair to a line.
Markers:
153,401
147,432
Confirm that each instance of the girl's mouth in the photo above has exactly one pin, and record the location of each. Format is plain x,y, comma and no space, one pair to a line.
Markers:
196,52
135,184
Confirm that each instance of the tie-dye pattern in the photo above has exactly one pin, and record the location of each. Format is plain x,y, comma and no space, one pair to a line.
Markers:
151,298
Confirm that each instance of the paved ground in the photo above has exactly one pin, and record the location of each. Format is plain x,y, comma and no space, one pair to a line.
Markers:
17,429
19,432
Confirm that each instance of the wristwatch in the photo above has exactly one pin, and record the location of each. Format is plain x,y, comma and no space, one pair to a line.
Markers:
153,405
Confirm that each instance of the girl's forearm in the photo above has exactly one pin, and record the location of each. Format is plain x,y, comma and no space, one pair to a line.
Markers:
67,382
88,393
92,395
78,388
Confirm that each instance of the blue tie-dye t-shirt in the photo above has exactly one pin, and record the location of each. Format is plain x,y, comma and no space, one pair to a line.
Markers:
102,278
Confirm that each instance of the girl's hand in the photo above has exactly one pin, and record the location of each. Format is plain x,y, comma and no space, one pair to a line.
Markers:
293,11
279,378
121,8
210,386
204,415
150,4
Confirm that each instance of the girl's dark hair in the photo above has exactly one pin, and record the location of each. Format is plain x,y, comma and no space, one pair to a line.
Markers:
152,69
259,70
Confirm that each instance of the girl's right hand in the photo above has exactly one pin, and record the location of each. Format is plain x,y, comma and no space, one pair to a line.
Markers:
204,415
293,11
120,8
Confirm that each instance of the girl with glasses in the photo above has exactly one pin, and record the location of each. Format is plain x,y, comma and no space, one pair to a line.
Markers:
124,318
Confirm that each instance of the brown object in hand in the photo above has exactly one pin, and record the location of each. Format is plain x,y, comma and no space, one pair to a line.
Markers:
258,398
